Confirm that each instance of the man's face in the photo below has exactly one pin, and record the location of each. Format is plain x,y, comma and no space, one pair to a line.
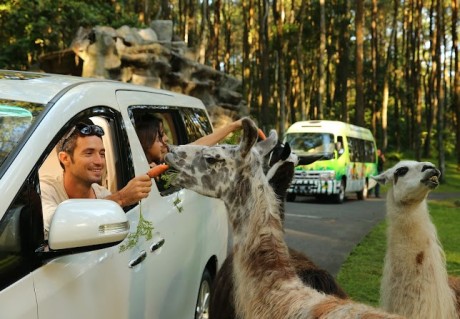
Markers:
88,161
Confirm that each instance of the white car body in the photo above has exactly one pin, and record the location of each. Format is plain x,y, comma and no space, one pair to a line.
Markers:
87,275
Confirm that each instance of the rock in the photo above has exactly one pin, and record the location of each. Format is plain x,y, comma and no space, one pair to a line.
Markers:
163,29
131,55
130,36
148,35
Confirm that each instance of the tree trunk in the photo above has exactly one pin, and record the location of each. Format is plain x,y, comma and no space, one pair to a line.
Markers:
322,54
201,55
214,27
430,99
359,25
440,90
375,64
456,83
341,85
278,15
301,66
264,65
417,88
248,50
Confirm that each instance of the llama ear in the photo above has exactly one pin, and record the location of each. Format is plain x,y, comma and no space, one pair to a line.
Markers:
249,136
286,152
266,146
381,179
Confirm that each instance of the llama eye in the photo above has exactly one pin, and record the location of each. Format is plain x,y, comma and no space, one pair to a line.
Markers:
401,171
211,160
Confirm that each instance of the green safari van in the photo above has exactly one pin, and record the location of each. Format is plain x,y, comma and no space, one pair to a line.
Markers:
335,158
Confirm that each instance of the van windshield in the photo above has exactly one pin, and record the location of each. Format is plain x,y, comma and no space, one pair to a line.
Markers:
15,119
311,143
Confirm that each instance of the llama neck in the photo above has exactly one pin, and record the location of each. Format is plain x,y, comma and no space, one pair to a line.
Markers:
257,227
261,259
414,277
411,219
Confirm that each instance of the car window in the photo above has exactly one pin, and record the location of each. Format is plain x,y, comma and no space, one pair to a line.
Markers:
118,160
196,123
181,126
21,233
15,119
51,166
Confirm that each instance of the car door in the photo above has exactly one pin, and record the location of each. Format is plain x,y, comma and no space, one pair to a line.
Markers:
17,295
104,283
180,219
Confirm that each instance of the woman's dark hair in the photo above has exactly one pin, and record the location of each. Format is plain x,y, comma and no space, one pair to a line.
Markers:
147,129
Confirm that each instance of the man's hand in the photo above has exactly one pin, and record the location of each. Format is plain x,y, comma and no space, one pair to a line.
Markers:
136,189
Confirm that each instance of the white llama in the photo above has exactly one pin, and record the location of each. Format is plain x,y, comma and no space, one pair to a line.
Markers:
415,281
266,285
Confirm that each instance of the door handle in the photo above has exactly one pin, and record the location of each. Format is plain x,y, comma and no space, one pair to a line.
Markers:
138,260
157,245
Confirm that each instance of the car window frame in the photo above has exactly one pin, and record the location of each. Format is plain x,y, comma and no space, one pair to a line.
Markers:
178,117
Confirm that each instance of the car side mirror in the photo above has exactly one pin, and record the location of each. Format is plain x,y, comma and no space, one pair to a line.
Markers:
87,224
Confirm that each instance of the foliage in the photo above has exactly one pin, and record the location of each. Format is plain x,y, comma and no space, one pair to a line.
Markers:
144,229
31,28
273,47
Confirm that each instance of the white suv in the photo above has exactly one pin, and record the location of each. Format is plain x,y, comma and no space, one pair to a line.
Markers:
152,260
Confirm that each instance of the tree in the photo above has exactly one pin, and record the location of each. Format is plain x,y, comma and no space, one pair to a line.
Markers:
359,26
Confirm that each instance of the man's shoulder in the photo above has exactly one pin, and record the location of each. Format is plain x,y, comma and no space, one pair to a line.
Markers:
51,180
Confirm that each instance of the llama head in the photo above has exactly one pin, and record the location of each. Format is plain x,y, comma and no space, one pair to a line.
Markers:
281,163
411,181
221,171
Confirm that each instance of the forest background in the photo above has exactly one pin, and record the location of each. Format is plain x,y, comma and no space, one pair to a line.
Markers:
391,66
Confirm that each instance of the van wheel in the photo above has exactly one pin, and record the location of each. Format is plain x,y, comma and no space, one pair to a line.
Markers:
290,197
362,195
340,197
202,303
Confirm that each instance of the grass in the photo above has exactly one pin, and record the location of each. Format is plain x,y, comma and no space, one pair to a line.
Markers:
361,273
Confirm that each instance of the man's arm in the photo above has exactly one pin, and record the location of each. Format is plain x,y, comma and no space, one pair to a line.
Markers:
51,197
136,189
219,134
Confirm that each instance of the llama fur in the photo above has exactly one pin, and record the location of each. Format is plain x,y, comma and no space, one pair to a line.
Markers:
280,164
266,284
415,280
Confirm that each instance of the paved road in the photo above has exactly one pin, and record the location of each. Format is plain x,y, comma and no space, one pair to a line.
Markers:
327,233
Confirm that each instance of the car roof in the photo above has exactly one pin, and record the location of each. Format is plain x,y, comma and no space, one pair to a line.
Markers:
41,88
34,87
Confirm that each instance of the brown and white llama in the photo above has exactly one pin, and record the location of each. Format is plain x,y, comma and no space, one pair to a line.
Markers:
415,281
266,285
281,163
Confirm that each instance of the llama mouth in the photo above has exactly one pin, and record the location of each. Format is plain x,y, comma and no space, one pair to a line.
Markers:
432,180
170,159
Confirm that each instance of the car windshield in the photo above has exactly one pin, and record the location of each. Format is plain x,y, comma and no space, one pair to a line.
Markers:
311,143
15,119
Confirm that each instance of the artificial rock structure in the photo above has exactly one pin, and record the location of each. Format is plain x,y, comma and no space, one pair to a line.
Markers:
150,57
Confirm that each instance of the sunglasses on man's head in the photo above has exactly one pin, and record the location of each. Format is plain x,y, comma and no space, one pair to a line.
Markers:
83,129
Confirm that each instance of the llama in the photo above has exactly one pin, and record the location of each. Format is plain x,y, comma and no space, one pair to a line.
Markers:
415,281
281,164
266,285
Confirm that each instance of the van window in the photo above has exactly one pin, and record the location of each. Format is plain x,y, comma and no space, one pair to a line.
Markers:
361,150
311,143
